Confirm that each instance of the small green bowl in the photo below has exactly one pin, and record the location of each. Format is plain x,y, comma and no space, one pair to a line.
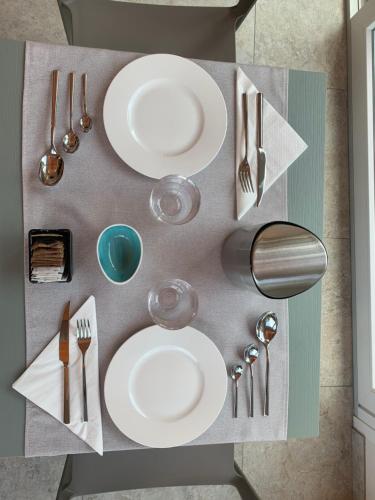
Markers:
119,251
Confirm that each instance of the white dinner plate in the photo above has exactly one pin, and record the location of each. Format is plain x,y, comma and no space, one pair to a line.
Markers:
165,388
164,115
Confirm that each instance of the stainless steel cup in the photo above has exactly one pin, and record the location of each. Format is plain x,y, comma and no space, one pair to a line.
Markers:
279,259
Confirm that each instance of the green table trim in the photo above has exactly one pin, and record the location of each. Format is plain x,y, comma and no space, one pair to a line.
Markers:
305,206
306,114
12,335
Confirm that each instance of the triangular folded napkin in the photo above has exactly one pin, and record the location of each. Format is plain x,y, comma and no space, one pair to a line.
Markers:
281,143
42,382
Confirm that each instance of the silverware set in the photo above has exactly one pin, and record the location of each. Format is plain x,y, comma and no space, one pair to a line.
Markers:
244,172
266,330
51,166
83,339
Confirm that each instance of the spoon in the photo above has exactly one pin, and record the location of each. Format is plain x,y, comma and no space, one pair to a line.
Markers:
266,329
51,165
250,355
85,121
70,139
235,374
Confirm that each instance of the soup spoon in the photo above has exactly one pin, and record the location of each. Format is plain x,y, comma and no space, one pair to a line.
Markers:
266,329
51,165
250,355
235,374
70,139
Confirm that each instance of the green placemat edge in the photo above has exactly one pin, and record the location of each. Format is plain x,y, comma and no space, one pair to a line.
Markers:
12,335
306,114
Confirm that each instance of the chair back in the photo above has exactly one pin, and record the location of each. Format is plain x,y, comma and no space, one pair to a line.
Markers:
194,32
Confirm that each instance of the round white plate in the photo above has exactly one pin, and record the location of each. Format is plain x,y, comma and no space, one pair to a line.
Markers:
165,388
164,115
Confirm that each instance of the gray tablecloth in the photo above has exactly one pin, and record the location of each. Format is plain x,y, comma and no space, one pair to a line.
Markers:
97,190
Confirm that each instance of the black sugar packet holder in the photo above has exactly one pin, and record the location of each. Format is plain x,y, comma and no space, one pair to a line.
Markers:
66,234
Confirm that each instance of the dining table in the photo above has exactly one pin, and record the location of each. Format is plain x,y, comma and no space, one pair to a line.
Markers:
305,188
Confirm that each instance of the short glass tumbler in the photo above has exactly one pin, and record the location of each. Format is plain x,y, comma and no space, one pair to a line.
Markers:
175,200
172,304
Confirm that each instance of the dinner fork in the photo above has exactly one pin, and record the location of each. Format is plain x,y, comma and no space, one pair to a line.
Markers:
244,172
84,340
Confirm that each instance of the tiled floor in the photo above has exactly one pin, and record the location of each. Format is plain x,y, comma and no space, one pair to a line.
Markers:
359,465
306,34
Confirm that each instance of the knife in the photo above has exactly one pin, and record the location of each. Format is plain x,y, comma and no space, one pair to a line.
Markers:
64,358
261,154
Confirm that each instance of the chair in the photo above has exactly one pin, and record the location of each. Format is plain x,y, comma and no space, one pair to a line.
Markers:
151,468
194,32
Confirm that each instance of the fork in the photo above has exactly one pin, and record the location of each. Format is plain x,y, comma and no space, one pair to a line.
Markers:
84,340
244,172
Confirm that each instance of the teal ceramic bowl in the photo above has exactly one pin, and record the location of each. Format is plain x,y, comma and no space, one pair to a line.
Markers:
119,250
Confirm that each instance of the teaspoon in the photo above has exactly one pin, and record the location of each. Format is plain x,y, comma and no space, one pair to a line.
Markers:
70,139
51,165
235,374
266,329
250,355
85,121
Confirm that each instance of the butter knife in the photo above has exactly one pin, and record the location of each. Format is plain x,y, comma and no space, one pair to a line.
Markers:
261,154
64,358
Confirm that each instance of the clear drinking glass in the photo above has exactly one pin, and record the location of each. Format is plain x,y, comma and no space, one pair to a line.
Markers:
175,199
172,303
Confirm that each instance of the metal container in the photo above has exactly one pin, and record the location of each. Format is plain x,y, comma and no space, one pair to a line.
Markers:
279,259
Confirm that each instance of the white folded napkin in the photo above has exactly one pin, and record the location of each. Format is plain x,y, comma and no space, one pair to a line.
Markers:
42,382
281,143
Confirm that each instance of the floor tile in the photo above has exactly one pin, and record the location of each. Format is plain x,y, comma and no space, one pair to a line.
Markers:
238,454
30,478
245,38
336,335
117,495
180,493
358,461
195,3
37,20
336,178
310,469
303,34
